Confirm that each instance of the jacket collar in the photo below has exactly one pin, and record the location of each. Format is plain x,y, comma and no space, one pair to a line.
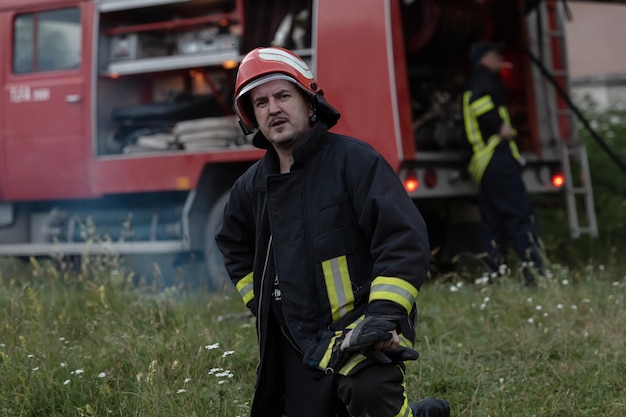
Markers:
302,151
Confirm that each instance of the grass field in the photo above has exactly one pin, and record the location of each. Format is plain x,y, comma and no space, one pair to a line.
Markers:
88,343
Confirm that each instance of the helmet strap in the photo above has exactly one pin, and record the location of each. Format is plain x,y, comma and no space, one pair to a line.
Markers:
246,131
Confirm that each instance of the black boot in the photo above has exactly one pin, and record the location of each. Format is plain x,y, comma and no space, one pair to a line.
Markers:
431,407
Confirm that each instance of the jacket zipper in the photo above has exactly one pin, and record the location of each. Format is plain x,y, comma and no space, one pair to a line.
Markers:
258,307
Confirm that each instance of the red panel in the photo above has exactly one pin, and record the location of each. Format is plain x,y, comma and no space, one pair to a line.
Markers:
179,171
402,84
21,5
353,70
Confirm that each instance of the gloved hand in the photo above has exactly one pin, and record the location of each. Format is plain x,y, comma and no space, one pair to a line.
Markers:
332,349
369,331
393,355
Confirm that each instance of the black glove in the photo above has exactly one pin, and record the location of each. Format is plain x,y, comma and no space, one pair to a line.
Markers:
330,350
376,329
369,331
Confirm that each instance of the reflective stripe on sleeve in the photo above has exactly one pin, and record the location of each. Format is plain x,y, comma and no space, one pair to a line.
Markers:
338,286
394,289
351,363
504,115
472,129
482,105
329,350
245,288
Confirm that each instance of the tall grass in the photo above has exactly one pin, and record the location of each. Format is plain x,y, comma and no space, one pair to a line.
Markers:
87,339
90,341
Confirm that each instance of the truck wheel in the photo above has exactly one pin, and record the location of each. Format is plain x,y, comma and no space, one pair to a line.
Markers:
217,275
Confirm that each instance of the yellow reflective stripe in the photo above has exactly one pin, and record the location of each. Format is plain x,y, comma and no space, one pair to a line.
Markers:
480,160
338,286
515,150
405,411
482,105
504,115
472,130
329,351
394,289
351,363
404,341
245,288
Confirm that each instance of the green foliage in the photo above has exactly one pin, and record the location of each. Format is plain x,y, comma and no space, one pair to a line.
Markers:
88,341
501,350
609,187
609,181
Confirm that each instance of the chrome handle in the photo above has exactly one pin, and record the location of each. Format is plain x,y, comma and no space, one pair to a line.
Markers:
72,98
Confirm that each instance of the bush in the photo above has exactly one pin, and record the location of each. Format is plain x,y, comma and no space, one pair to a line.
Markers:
609,187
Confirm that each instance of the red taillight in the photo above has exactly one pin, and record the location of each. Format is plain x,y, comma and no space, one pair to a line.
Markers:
411,183
558,179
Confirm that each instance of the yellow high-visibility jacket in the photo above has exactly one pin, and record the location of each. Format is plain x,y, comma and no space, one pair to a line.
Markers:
484,112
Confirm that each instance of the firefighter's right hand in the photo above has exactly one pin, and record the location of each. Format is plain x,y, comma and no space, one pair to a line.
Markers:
506,132
367,333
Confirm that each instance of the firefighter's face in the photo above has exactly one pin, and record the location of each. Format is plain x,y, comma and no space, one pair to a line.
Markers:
493,60
282,112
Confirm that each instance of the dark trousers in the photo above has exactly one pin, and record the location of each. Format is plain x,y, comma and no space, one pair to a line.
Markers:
376,390
507,214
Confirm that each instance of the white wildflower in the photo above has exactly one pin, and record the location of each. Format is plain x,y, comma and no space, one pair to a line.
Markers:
67,381
213,346
102,375
481,281
180,391
228,353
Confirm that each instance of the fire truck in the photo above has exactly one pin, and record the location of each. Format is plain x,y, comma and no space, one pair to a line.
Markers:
117,130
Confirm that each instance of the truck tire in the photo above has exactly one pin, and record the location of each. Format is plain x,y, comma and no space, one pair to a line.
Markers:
217,275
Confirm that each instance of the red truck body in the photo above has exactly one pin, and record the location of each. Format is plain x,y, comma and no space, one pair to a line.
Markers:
371,57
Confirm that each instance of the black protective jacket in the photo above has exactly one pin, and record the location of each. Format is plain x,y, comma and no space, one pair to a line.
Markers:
346,240
484,113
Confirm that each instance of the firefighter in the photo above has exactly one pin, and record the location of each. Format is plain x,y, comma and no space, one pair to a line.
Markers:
326,249
496,166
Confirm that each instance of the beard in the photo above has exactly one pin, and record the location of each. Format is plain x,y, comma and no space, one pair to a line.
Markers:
284,143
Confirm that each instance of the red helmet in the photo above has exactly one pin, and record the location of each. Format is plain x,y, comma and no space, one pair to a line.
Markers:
267,64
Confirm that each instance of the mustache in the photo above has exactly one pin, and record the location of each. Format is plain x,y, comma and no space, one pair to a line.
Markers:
278,119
